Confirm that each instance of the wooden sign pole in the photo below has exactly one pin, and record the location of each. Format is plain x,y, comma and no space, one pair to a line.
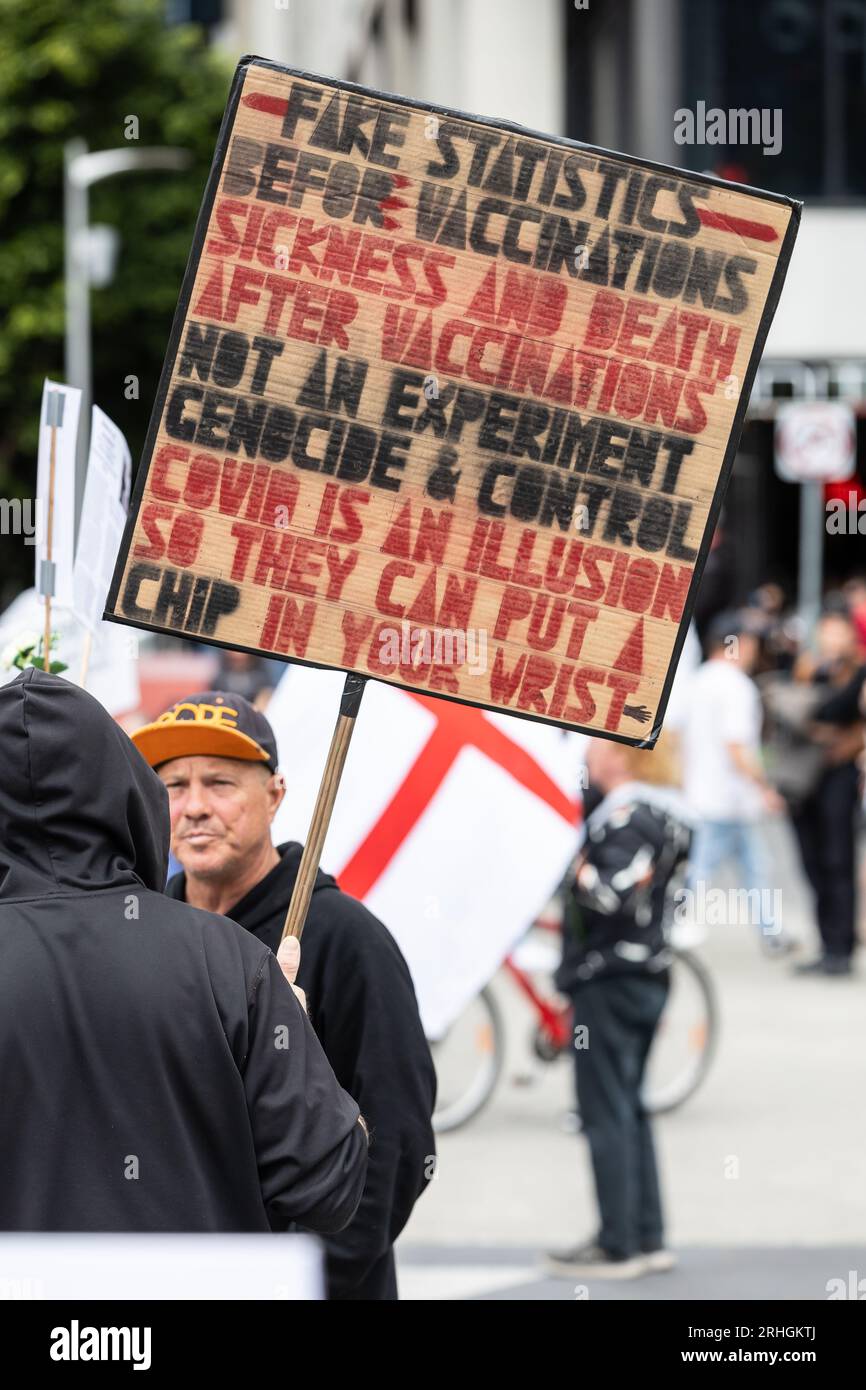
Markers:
327,794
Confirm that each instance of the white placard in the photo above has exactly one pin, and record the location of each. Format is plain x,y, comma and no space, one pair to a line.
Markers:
122,1267
103,516
112,671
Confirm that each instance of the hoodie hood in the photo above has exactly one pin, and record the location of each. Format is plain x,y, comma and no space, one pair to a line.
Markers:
80,810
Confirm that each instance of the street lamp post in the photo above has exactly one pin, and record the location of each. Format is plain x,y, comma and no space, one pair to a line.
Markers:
82,169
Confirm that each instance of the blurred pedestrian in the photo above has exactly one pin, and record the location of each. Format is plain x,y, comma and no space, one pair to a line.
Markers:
718,581
242,673
825,820
615,967
218,758
776,626
725,785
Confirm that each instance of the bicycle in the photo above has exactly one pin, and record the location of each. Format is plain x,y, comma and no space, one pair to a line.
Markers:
680,1060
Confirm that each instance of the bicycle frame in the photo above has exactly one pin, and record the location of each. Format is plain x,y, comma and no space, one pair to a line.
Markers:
554,1033
555,1021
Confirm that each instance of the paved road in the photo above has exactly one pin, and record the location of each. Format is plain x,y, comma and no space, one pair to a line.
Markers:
764,1169
805,1273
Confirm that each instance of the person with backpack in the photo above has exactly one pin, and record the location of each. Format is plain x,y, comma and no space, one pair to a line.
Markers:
615,967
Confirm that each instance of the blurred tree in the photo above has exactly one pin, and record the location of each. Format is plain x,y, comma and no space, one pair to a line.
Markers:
83,69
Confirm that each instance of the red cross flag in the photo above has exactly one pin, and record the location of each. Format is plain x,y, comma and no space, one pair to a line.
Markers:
453,825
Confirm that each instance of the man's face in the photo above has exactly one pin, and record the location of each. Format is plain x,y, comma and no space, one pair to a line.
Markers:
835,638
605,763
750,649
221,812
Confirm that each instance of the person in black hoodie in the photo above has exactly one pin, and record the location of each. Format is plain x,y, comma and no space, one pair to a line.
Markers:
217,755
141,1086
615,968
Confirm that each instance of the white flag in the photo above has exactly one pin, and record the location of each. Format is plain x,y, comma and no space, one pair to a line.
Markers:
454,825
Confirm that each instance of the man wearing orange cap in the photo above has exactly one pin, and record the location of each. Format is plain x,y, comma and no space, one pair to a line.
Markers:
217,756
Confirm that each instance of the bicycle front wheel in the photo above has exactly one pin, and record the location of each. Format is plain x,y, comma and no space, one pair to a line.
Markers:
468,1062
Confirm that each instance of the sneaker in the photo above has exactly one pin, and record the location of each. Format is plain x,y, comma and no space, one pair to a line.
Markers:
592,1262
837,965
810,967
825,965
658,1261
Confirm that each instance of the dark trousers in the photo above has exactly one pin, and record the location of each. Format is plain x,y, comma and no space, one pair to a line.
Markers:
825,829
621,1014
378,1285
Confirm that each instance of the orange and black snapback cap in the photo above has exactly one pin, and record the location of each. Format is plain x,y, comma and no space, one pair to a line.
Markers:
213,724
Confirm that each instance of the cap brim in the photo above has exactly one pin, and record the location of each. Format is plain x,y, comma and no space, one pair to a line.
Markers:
185,738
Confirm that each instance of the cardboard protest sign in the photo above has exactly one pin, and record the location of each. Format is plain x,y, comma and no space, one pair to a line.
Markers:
449,403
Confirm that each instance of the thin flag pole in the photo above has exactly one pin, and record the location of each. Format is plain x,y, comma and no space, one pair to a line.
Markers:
54,418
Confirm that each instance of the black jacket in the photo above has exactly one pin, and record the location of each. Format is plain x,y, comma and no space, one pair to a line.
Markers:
842,705
144,1084
616,924
363,1008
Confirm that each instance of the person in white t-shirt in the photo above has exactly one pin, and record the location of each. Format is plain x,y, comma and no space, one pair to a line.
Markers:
724,782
